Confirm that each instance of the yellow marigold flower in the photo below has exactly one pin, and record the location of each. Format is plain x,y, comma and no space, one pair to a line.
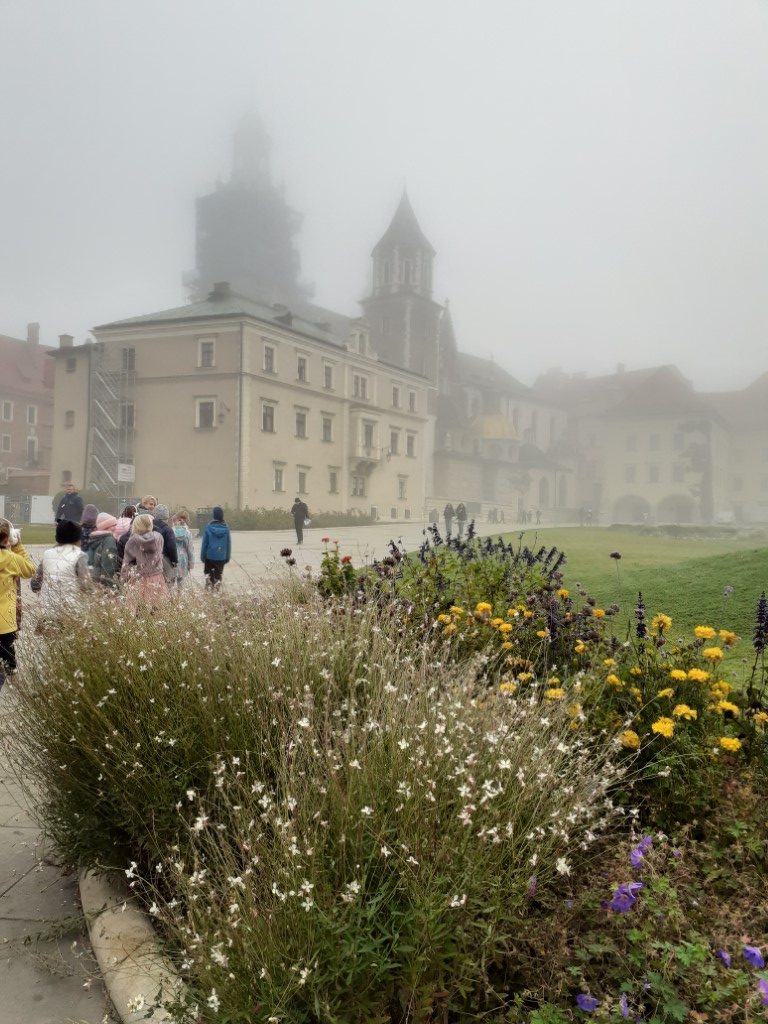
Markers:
580,647
496,622
761,717
730,743
720,689
506,627
508,687
507,645
456,610
525,676
629,739
554,693
614,680
727,637
599,613
527,614
542,633
450,629
635,671
563,593
683,711
513,613
704,632
726,707
554,681
443,618
574,710
664,727
678,673
666,692
698,675
712,653
661,622
483,608
609,662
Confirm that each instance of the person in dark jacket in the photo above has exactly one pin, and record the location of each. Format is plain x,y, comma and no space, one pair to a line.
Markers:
102,551
162,526
300,512
448,516
70,507
88,523
216,548
461,518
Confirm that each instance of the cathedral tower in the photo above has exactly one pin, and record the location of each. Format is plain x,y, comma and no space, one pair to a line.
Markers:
403,318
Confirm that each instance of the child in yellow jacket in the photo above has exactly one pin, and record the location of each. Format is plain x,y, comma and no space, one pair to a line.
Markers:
15,564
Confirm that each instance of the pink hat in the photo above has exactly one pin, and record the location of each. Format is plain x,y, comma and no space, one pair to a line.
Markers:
105,522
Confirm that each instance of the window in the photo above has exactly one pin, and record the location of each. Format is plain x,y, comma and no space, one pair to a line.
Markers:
269,359
301,369
267,418
301,423
629,474
395,396
393,513
394,442
410,445
328,377
358,486
653,474
630,443
327,428
69,418
66,476
5,443
277,478
127,416
407,271
7,411
31,415
31,449
129,359
359,386
678,473
654,442
302,481
206,353
402,487
333,481
411,401
368,435
70,365
205,415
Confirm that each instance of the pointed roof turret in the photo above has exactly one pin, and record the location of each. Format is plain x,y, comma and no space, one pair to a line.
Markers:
404,229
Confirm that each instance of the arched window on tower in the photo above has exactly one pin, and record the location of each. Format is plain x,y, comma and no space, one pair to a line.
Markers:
385,272
407,269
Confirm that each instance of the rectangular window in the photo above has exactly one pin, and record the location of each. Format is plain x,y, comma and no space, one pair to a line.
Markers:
629,474
269,359
267,418
368,435
7,411
127,415
31,415
359,386
394,442
66,476
395,396
327,428
301,424
328,377
70,365
69,418
358,486
333,481
277,478
5,443
129,359
654,442
411,401
301,369
205,414
410,445
206,353
653,474
31,449
402,487
678,473
630,443
302,481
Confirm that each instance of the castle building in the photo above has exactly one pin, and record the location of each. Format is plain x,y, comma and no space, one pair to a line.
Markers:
26,413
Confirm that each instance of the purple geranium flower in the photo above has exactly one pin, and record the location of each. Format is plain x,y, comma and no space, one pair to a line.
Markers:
586,1002
754,957
725,956
625,897
762,988
624,1005
637,853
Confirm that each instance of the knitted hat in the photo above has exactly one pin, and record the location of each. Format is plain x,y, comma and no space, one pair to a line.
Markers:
161,512
67,532
89,515
218,513
105,522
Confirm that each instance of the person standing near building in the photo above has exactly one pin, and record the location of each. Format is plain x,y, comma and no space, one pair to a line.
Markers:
216,548
300,513
70,506
461,518
15,565
448,517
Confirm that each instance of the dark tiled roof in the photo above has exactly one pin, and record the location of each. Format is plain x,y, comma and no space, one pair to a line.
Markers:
485,373
404,229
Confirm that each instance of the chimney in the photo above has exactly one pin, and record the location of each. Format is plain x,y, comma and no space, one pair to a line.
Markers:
221,290
33,334
66,341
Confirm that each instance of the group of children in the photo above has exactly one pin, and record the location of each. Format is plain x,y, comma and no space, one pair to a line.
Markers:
145,549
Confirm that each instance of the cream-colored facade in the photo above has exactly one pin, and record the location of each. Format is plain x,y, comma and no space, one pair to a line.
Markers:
220,403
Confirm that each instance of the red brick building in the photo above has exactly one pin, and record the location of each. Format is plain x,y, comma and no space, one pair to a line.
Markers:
26,414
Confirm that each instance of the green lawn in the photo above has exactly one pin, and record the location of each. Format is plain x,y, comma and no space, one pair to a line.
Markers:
682,576
34,533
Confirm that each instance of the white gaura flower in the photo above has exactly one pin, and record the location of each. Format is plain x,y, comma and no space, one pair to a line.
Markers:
458,901
136,1003
562,866
200,822
303,723
276,662
213,1001
366,812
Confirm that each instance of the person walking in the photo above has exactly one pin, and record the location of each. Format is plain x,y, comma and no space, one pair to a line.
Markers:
184,545
70,506
88,524
102,551
538,516
143,562
300,514
162,525
461,518
216,549
448,517
15,565
63,574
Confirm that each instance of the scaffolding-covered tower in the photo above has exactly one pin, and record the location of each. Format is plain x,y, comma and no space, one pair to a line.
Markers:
110,461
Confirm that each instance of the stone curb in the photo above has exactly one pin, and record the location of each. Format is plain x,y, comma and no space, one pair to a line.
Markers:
127,949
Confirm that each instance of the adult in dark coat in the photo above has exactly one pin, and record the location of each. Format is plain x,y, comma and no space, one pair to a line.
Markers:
300,512
162,526
461,518
448,516
70,507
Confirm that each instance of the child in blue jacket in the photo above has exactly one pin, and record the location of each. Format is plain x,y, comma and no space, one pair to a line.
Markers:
216,548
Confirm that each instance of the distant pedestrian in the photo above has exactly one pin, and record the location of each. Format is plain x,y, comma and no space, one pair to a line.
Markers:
62,575
538,516
300,513
143,562
589,517
434,517
448,514
102,551
160,521
184,546
15,565
70,506
216,548
461,518
88,523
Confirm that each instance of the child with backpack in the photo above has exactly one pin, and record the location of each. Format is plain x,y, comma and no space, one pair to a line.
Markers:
216,548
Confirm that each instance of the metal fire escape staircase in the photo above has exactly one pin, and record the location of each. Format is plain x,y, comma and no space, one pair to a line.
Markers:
111,426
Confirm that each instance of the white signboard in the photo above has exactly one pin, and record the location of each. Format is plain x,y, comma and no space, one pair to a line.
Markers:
126,472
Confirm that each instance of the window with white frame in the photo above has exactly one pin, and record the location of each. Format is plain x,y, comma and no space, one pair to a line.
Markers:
358,486
402,487
66,476
333,480
359,386
31,415
206,353
205,413
410,445
302,369
328,377
301,423
268,417
412,401
5,442
278,476
368,433
302,482
269,359
6,411
129,359
327,428
31,449
70,365
394,442
395,396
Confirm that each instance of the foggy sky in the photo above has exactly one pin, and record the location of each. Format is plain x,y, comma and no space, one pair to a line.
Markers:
593,175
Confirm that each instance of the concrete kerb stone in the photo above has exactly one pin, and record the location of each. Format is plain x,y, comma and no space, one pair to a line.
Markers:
138,977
